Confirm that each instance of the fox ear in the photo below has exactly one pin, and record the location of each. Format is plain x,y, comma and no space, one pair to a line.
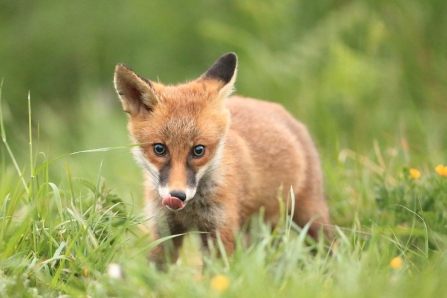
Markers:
134,92
223,70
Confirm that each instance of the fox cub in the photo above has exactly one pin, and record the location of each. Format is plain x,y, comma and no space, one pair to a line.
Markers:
211,161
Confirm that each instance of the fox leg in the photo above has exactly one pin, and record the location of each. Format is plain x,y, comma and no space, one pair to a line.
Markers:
228,240
314,210
225,235
167,251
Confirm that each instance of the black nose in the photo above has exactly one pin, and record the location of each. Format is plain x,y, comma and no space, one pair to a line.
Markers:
178,194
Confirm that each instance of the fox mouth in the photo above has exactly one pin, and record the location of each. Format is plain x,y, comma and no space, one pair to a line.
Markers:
173,203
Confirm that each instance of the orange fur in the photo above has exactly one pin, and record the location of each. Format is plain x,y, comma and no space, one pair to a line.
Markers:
252,149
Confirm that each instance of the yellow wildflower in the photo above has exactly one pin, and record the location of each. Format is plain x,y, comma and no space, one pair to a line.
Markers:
441,170
220,283
415,174
396,263
85,272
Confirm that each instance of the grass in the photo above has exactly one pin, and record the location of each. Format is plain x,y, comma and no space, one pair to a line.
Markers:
367,77
59,238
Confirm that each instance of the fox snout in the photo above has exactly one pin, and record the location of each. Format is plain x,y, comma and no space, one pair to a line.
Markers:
181,195
175,200
177,181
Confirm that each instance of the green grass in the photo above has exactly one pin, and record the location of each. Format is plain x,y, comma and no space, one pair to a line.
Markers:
369,79
59,234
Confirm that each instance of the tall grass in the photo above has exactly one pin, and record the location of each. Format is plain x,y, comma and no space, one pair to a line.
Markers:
52,235
367,77
60,238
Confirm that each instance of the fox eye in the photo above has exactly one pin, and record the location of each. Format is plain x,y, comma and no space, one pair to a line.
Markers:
198,151
159,149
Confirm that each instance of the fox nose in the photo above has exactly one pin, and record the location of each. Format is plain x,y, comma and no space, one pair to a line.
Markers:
178,194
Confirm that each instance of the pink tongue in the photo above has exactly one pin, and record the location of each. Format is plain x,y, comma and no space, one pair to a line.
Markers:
172,202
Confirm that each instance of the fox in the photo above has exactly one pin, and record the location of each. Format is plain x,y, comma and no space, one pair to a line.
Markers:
212,160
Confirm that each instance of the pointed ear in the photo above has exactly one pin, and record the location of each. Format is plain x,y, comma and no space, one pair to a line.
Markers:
224,71
134,92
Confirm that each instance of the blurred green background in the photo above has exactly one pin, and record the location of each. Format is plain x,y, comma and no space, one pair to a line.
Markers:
356,72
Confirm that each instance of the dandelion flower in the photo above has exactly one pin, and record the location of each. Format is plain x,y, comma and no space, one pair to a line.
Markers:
220,283
396,263
441,170
415,174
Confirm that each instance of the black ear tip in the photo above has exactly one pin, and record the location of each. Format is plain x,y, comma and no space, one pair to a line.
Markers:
224,68
230,58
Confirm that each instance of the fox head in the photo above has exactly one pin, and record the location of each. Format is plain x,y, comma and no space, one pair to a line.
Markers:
181,129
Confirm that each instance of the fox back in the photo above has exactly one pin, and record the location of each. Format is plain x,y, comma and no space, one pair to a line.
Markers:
211,160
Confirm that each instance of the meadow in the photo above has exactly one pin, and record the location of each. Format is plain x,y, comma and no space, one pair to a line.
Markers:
368,78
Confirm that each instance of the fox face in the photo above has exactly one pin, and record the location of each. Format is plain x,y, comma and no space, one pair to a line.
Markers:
179,146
